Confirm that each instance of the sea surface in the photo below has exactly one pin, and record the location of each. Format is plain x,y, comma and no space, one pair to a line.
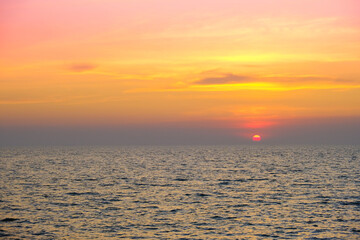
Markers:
207,192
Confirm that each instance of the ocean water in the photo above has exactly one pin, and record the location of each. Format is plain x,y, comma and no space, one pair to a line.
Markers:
215,192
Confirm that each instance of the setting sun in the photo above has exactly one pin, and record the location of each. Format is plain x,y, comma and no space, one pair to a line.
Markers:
256,138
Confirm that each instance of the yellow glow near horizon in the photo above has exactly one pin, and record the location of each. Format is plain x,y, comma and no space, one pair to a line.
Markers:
119,62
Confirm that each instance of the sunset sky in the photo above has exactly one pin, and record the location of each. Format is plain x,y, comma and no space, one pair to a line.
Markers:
166,71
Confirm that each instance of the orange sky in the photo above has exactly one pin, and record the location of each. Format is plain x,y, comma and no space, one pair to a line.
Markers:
245,65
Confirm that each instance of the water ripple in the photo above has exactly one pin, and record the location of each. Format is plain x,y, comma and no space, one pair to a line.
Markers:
242,192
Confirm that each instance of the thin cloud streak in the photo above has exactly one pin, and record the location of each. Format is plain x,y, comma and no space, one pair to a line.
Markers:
81,67
233,82
228,78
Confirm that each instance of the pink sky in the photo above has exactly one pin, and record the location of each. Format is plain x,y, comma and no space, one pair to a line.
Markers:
249,66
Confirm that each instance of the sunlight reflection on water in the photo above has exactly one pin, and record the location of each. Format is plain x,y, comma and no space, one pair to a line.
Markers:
242,192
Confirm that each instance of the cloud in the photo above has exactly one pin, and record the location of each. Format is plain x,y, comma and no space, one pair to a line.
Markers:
315,82
227,79
300,80
81,67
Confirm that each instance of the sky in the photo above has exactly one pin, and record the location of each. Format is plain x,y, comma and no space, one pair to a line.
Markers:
179,72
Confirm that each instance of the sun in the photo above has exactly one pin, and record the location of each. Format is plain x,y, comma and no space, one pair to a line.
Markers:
256,138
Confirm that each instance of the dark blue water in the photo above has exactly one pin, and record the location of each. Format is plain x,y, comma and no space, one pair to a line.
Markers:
238,192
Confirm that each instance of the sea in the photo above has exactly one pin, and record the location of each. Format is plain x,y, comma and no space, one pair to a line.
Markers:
180,192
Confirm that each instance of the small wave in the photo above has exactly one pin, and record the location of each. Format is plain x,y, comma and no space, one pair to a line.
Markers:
62,204
202,195
82,193
9,219
4,234
224,183
216,217
355,203
181,179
